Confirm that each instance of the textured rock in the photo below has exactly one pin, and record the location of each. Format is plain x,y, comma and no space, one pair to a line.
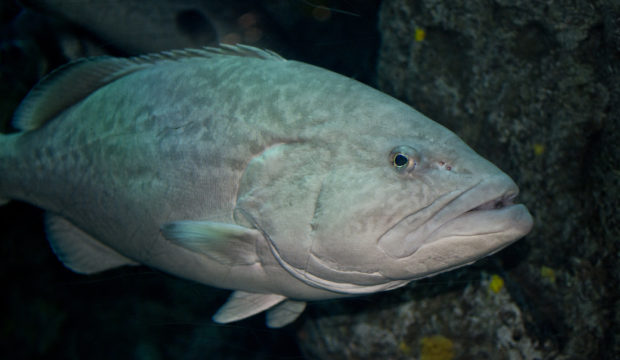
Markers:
457,317
534,87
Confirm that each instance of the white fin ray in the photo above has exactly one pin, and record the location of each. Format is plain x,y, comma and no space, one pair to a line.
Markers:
245,51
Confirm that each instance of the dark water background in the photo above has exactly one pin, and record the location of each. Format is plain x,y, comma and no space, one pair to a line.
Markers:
532,86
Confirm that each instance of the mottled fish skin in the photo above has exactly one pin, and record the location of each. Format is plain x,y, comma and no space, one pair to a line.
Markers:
238,169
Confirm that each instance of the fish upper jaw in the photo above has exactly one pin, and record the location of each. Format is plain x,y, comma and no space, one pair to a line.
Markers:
482,215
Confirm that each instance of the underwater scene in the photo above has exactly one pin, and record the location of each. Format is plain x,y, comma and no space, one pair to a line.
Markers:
310,179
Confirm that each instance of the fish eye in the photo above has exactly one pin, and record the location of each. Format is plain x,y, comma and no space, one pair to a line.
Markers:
404,158
401,160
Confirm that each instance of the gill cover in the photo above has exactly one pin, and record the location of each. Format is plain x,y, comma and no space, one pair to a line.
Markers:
296,201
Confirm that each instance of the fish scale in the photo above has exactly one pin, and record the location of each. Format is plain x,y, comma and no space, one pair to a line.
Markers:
238,169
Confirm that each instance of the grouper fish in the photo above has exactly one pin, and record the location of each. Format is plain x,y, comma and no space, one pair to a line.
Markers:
238,169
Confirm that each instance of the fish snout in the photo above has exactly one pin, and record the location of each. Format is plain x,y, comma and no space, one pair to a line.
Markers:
485,210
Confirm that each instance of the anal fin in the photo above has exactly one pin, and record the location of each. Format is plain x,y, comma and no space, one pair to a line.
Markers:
79,251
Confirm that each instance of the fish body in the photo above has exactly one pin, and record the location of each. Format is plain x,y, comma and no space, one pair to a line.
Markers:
238,169
137,27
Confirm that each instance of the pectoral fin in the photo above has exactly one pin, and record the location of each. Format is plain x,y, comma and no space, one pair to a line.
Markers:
284,313
228,244
243,304
79,251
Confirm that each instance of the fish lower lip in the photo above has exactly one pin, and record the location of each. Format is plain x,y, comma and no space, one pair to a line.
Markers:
513,218
487,197
465,239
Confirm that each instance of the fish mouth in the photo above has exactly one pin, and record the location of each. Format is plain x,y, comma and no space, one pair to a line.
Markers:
495,216
500,202
484,215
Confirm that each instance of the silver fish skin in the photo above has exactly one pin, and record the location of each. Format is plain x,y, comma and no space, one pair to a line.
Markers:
235,168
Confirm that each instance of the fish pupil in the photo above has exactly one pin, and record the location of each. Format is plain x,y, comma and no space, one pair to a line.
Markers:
400,160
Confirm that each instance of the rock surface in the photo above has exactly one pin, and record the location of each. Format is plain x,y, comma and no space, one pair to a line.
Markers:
534,87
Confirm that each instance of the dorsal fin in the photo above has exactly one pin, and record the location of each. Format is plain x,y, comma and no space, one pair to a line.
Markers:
68,85
243,50
73,82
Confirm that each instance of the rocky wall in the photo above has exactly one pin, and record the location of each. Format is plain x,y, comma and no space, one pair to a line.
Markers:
534,87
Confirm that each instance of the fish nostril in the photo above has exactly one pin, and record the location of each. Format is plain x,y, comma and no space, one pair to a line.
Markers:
443,164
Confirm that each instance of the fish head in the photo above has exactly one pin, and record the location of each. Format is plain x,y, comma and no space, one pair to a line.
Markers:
371,207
